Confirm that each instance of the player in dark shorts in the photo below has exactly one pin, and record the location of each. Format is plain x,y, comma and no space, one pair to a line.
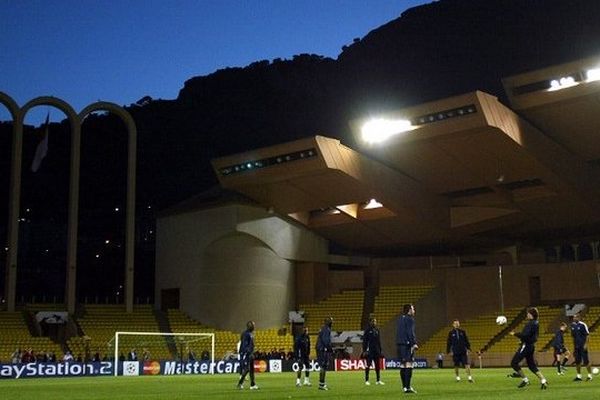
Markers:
372,350
247,356
324,351
528,337
406,342
581,339
458,344
561,354
301,353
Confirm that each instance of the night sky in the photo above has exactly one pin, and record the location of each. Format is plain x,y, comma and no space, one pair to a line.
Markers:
83,50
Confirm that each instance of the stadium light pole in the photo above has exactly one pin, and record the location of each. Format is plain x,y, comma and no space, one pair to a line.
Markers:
501,290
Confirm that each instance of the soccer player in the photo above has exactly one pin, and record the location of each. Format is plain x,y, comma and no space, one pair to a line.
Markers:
372,350
247,356
406,342
581,339
526,350
458,344
301,353
324,350
560,351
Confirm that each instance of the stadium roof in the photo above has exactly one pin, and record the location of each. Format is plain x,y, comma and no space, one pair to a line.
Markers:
471,173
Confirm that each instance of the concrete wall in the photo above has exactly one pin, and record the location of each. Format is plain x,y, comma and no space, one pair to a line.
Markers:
242,279
312,282
475,290
342,280
234,263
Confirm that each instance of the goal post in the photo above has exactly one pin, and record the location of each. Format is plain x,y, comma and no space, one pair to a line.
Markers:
164,346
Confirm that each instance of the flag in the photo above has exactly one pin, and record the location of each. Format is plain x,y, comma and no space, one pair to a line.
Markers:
42,148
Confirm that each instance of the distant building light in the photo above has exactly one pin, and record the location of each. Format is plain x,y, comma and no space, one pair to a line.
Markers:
592,75
116,209
107,241
97,255
373,204
380,129
28,210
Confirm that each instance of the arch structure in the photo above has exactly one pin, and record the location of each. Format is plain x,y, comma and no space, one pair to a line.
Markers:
18,117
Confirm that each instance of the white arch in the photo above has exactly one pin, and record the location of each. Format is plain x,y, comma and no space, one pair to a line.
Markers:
18,115
13,203
130,206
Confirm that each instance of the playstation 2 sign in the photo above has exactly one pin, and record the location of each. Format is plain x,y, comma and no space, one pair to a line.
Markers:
55,370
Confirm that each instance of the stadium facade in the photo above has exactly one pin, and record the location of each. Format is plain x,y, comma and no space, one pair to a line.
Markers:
473,184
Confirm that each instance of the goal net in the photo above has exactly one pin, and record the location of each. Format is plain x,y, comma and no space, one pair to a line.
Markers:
162,346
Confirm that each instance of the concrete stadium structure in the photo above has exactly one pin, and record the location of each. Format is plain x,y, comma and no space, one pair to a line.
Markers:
472,185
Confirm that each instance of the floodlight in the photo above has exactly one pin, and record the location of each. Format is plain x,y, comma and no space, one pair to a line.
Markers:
562,83
592,74
378,130
373,204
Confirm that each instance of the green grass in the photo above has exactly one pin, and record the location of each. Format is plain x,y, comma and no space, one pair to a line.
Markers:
430,384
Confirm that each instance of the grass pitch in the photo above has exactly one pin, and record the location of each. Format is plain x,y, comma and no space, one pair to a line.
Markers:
430,384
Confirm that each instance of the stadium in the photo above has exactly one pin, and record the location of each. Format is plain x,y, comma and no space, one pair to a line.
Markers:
466,207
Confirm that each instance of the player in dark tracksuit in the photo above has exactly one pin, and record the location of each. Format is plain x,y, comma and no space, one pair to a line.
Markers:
458,344
324,351
561,354
247,356
301,353
581,338
526,350
406,342
371,348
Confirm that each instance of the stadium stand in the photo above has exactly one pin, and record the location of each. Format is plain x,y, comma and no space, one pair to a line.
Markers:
480,330
346,308
592,319
389,301
15,334
226,341
100,322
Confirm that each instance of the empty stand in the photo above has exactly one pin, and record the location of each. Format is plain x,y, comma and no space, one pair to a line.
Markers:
346,309
15,335
100,322
226,342
389,302
480,331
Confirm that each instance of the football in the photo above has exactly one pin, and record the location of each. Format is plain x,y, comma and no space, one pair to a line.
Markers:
501,320
595,371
